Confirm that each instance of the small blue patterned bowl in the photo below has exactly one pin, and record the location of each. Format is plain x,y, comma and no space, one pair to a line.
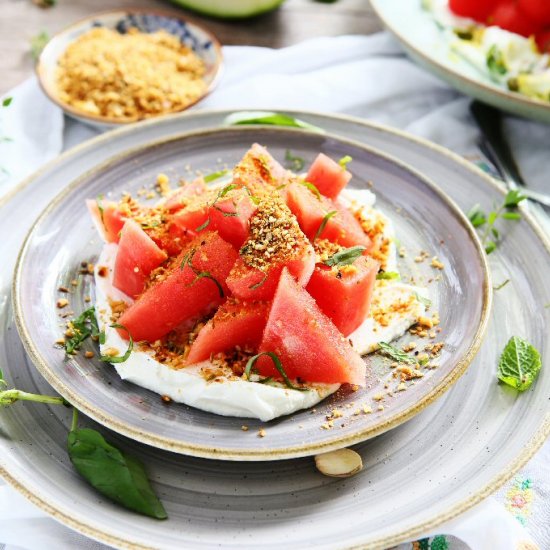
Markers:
201,41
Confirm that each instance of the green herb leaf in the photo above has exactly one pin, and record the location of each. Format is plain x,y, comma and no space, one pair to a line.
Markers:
312,188
476,216
278,365
346,256
324,222
207,275
38,43
98,200
203,225
490,246
511,216
396,354
344,161
422,300
269,118
7,101
114,474
496,62
84,326
119,358
519,364
3,383
259,283
215,175
293,162
388,276
501,285
513,198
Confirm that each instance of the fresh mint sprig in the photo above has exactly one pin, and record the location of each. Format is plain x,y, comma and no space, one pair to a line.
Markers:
490,237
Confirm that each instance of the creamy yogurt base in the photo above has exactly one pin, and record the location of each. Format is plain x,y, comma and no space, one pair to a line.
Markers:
226,395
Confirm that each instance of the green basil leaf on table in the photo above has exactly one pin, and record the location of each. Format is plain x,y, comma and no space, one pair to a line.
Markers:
116,475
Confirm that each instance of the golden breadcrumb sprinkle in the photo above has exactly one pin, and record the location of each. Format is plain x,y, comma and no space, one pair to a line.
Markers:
129,76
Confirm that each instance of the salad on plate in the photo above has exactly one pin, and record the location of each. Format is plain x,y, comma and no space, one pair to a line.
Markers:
251,292
508,41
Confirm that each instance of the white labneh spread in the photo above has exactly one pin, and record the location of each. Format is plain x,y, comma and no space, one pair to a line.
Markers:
227,396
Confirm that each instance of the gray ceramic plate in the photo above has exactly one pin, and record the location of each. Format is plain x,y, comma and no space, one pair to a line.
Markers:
424,42
446,459
424,219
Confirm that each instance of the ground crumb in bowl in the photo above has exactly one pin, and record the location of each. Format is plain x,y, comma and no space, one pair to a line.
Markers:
129,76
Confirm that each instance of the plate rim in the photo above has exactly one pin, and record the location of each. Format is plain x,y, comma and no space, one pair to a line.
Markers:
521,100
510,469
259,454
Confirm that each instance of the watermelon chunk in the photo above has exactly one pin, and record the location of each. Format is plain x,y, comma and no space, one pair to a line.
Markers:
344,294
258,170
178,199
310,211
275,241
234,324
309,346
328,176
107,217
228,214
181,296
169,236
136,257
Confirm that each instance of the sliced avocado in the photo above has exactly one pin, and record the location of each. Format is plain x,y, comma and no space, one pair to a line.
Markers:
230,9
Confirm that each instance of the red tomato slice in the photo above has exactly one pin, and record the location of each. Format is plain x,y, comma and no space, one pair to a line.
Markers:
476,9
136,257
234,324
536,10
543,41
328,176
345,295
509,16
181,296
306,341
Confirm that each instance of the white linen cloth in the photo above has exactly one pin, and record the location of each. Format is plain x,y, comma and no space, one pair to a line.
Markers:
369,77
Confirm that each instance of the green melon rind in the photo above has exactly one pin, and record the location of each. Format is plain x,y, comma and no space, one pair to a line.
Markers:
233,9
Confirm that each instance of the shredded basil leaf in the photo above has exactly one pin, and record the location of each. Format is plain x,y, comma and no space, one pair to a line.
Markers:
259,283
293,162
388,276
396,354
344,161
324,223
501,285
312,188
214,176
84,326
203,225
7,101
277,364
38,43
120,358
188,260
346,256
422,300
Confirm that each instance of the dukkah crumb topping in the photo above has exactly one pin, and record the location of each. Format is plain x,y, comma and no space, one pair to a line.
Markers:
275,235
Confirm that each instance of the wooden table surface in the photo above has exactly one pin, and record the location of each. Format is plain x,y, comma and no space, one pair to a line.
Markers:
294,21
